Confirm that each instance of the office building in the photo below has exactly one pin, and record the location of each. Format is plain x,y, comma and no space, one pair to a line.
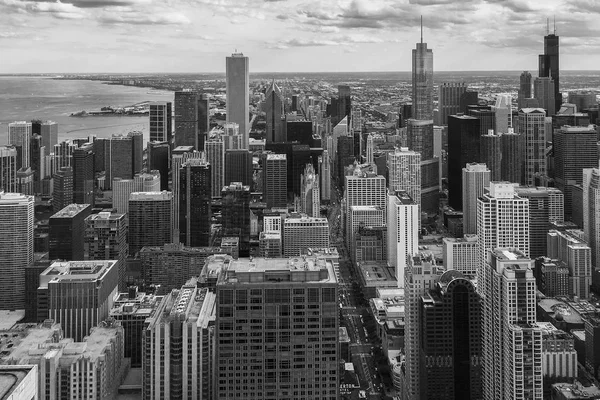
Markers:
238,93
543,91
80,294
120,156
524,88
159,155
274,111
545,206
486,116
181,154
549,64
38,160
186,118
449,100
503,113
194,203
403,231
583,100
404,172
62,194
575,254
161,121
551,277
49,132
532,127
67,232
325,176
453,299
575,149
215,155
274,286
269,244
512,343
106,239
8,169
463,147
203,120
591,212
502,221
122,188
420,137
302,232
83,174
275,180
298,130
149,219
490,146
19,134
178,346
421,275
310,195
238,166
16,247
235,213
422,83
475,178
344,102
364,216
512,159
461,254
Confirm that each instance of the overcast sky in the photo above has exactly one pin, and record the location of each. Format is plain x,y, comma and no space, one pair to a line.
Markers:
290,35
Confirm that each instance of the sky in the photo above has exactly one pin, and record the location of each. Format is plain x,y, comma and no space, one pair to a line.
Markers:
127,36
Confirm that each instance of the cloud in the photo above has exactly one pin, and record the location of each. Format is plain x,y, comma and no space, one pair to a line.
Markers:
335,40
58,10
98,3
134,17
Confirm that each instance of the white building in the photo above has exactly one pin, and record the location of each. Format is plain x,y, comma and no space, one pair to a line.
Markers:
475,178
301,233
404,170
461,254
403,232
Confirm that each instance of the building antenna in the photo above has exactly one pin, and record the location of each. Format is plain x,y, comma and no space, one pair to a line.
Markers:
421,29
555,24
547,26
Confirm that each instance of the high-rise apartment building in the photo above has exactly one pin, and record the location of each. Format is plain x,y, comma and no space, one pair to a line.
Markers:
62,195
122,188
404,172
8,169
475,178
67,232
543,91
159,155
80,294
549,64
275,180
186,118
194,203
545,207
532,127
524,88
449,100
150,216
463,147
461,254
422,82
571,251
575,149
19,134
178,346
512,343
403,231
161,121
310,195
453,299
301,233
275,349
83,174
16,247
238,93
215,154
274,110
106,239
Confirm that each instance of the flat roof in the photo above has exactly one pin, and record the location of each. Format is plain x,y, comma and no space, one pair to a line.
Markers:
78,270
11,377
71,210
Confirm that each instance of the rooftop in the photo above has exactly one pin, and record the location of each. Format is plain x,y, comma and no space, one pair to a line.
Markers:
403,198
576,390
11,377
508,254
106,216
66,271
276,157
71,210
150,196
468,238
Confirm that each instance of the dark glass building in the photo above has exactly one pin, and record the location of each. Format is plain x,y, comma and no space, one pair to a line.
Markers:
344,102
150,222
524,88
238,167
549,65
158,160
299,131
186,118
83,174
463,147
67,232
194,203
275,180
235,213
62,195
491,155
513,150
203,120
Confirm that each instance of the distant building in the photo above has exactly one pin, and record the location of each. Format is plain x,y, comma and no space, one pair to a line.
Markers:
275,180
274,111
524,88
236,213
310,194
215,155
142,182
449,100
422,83
238,93
161,121
186,118
62,194
475,179
463,147
159,154
19,134
543,91
238,166
531,126
576,255
67,232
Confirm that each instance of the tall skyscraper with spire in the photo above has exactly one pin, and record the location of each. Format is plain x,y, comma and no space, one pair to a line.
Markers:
549,62
422,80
274,111
238,93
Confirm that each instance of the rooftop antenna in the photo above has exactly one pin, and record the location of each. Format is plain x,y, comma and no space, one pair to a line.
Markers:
547,26
555,24
421,29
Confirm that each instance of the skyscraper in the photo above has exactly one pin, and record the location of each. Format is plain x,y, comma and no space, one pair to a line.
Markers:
310,195
161,121
490,147
512,162
344,102
274,111
325,176
404,172
549,64
49,132
215,154
8,169
463,147
571,251
543,91
149,219
236,213
238,166
449,100
158,159
186,118
524,88
475,178
194,203
16,247
532,127
512,343
403,231
120,156
591,211
67,232
19,133
275,180
122,188
106,239
420,137
180,155
422,82
203,120
83,174
276,286
62,195
575,149
301,233
238,93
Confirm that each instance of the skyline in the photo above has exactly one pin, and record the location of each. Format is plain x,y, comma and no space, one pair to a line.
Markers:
147,36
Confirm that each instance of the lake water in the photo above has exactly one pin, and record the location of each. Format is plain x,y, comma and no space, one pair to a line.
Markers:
23,98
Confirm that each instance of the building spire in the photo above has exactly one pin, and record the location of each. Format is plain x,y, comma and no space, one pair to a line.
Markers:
547,26
421,29
555,24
